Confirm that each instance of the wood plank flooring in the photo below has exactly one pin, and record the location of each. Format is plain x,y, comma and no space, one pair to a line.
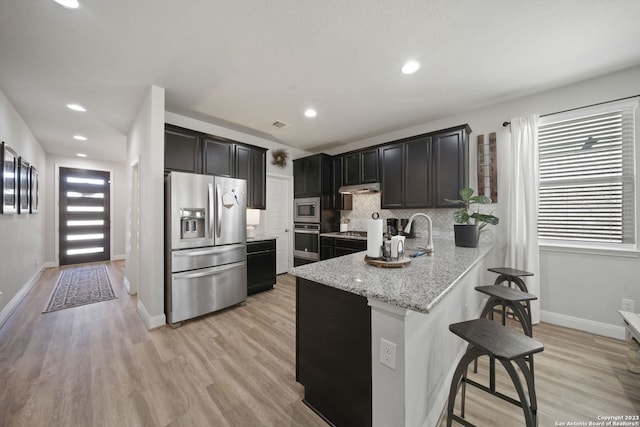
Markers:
97,365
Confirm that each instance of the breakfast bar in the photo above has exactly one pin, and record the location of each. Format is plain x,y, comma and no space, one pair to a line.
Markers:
373,345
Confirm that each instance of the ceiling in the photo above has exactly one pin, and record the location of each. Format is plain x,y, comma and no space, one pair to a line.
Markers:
246,64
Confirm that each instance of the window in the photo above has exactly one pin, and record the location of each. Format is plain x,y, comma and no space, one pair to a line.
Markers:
587,184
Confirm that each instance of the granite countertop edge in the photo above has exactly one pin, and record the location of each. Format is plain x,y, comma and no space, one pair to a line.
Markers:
260,238
420,286
340,235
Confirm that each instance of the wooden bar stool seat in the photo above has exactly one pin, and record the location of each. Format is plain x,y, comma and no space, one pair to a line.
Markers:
488,338
508,298
510,275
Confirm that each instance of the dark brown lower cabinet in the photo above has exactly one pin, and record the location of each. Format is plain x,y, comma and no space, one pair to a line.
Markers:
333,353
261,266
332,247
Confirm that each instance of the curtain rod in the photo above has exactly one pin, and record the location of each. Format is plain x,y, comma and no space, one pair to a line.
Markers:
505,124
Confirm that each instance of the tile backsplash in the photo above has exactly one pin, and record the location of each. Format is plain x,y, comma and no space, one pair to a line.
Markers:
365,204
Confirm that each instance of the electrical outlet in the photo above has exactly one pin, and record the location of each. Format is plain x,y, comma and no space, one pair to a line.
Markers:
465,312
388,353
628,305
418,235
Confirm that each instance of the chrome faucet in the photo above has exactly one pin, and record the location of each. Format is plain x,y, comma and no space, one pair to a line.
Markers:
429,248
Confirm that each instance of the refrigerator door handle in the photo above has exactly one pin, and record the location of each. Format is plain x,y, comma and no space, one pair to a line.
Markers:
218,210
210,193
209,251
208,272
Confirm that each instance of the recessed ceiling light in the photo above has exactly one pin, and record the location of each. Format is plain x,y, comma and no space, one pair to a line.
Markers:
80,137
76,107
81,155
310,112
69,4
410,67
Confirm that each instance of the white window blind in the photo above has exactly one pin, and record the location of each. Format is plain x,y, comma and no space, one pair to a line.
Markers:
587,188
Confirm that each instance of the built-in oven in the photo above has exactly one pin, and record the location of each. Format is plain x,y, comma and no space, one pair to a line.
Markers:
306,241
306,210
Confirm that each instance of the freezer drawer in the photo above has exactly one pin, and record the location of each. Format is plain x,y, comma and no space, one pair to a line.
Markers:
191,259
198,292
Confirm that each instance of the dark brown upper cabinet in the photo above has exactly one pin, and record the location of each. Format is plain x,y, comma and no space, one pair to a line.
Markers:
182,149
418,169
369,166
450,153
218,157
312,176
251,164
422,171
339,201
360,167
391,176
186,150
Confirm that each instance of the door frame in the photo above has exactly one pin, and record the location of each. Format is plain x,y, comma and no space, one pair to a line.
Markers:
56,188
289,180
132,266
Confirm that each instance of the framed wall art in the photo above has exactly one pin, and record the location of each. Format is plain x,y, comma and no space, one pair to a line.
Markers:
8,180
33,190
23,186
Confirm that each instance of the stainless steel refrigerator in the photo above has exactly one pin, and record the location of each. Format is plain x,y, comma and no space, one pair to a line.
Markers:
206,254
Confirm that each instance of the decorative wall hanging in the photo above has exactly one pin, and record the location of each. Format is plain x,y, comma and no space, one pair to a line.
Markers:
279,157
24,176
33,189
488,167
8,180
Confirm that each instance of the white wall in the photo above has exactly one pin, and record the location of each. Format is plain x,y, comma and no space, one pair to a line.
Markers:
577,290
145,144
22,237
118,201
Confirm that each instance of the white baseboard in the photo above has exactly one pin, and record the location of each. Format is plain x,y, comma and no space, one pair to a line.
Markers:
591,326
50,264
118,257
150,322
18,297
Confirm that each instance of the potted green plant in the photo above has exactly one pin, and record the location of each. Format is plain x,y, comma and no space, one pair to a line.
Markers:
469,225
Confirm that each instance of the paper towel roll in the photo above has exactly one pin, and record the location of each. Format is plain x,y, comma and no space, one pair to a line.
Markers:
374,238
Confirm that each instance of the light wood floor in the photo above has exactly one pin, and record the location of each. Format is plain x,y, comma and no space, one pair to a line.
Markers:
97,365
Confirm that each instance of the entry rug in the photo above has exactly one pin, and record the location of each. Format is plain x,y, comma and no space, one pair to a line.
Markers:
80,286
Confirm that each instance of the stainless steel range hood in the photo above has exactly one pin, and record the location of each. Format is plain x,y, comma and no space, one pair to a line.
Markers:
360,188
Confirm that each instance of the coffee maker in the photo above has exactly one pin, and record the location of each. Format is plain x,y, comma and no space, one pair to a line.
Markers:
392,226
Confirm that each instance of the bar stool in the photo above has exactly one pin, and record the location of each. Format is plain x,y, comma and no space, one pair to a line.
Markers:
508,298
488,338
510,275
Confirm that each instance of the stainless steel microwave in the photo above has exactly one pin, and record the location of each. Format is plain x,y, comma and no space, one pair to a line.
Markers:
306,210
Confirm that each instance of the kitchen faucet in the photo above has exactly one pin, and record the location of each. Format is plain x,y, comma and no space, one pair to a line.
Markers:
407,230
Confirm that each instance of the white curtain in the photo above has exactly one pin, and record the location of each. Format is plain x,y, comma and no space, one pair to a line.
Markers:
522,206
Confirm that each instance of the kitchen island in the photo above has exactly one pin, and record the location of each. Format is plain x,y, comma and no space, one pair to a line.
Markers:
347,308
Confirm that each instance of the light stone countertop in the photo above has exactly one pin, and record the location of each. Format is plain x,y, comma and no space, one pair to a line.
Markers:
342,235
260,238
419,286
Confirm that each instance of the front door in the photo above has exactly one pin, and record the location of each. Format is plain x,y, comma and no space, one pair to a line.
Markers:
85,222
